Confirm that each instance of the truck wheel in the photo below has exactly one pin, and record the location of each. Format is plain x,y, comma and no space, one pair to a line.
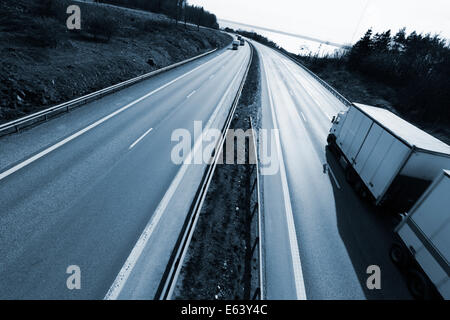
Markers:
418,284
332,145
330,138
350,175
399,255
361,190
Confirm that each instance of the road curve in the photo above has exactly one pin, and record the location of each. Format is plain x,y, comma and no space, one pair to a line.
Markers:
335,236
87,201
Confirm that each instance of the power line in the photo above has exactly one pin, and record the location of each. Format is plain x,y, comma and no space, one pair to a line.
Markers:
334,44
360,19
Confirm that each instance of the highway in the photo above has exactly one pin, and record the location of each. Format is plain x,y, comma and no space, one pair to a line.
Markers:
97,187
319,237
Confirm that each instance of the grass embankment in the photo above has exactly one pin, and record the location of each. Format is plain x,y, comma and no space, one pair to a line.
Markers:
43,63
408,74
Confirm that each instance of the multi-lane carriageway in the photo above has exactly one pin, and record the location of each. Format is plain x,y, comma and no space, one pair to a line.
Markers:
96,188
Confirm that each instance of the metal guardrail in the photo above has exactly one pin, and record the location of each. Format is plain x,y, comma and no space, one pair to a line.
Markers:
16,125
259,292
343,99
169,278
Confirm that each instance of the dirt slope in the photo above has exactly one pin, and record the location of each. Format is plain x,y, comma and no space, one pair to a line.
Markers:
43,63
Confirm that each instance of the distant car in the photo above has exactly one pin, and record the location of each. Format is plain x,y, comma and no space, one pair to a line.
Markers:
242,42
236,44
239,38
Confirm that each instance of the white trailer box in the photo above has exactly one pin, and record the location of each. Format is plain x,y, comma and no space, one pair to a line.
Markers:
426,233
389,154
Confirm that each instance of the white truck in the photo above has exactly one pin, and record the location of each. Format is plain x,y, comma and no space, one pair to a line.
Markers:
387,159
424,248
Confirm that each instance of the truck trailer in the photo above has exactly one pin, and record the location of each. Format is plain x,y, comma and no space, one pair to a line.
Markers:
424,247
387,159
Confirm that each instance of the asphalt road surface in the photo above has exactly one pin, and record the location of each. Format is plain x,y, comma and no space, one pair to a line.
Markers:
97,188
319,237
80,189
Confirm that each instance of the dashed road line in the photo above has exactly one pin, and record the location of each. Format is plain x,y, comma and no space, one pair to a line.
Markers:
140,138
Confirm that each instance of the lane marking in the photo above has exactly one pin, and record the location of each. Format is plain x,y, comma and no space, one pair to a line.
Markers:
212,76
190,94
140,138
313,97
303,116
295,254
334,178
124,273
39,155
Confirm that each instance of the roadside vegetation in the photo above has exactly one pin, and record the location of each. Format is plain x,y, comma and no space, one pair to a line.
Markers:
44,63
406,73
179,10
409,74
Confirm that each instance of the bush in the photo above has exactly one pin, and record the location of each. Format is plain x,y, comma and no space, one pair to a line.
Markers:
45,8
43,32
100,26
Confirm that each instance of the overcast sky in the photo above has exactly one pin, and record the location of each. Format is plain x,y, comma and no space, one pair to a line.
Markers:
342,21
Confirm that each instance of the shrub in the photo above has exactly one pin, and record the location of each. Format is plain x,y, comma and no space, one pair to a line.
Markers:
43,32
100,26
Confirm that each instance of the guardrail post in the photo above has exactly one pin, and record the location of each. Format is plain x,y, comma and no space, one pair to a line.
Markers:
254,210
257,294
254,245
253,186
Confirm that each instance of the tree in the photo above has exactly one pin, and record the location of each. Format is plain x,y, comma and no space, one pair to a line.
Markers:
361,49
382,41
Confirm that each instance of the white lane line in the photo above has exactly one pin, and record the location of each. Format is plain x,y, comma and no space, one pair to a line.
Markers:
211,76
121,279
190,94
334,178
93,125
295,254
140,138
314,98
303,116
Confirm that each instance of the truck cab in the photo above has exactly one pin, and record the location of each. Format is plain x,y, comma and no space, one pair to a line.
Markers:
337,122
235,45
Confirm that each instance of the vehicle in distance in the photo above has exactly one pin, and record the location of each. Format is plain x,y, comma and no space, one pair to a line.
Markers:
386,159
425,234
235,44
242,41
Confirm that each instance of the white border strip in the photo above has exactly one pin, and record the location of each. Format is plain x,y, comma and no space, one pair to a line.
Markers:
94,95
295,254
124,273
39,155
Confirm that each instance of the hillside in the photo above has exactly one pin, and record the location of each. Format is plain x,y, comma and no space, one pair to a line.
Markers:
43,63
407,74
